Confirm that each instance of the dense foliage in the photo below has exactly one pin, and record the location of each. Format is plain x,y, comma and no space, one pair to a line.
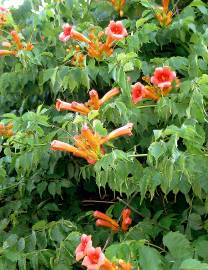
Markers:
160,172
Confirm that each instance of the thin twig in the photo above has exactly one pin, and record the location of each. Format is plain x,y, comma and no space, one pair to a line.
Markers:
95,201
155,246
139,155
107,241
146,106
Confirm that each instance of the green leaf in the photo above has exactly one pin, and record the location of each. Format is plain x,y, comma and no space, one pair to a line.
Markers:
192,264
178,245
149,258
40,225
98,127
52,188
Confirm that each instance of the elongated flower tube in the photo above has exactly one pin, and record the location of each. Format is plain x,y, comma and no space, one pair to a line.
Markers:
122,131
69,32
103,223
165,4
126,219
163,14
29,47
7,52
16,39
118,5
106,219
61,146
94,99
80,107
113,92
90,137
65,106
124,266
107,265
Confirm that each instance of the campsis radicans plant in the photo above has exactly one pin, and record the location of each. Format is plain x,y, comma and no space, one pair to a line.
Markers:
95,46
118,5
94,103
94,258
163,14
103,220
15,46
160,84
6,130
89,144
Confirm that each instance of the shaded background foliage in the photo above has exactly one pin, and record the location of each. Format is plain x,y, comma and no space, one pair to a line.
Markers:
160,172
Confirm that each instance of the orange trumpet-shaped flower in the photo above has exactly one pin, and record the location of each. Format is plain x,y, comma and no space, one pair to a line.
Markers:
94,99
114,32
90,138
165,4
151,93
80,107
126,220
124,266
69,32
118,5
3,15
29,47
95,46
113,92
17,43
61,146
94,258
16,39
7,52
94,103
58,145
105,221
163,15
6,130
107,265
80,37
89,144
75,107
122,131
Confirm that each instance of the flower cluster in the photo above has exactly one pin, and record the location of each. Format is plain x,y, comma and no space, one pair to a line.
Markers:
94,44
104,220
163,14
89,144
118,5
6,130
12,48
94,258
160,84
78,58
94,103
3,15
